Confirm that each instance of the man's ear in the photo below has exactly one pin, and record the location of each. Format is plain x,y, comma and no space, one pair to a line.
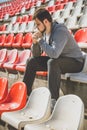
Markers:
45,21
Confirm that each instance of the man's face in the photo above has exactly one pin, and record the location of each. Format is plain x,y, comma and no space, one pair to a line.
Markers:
41,26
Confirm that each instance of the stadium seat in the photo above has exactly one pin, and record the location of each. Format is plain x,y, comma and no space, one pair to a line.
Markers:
65,13
3,55
50,3
79,3
56,14
51,9
81,37
59,7
72,23
13,19
77,11
19,19
3,89
37,109
85,10
23,10
38,3
41,73
83,21
18,39
68,114
22,27
21,61
29,27
15,28
9,40
69,5
3,27
16,98
12,57
2,39
6,16
20,65
25,18
8,28
27,40
32,10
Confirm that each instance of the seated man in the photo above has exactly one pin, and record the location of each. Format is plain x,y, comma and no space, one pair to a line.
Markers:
63,55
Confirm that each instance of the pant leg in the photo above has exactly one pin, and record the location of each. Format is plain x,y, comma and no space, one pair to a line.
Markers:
34,64
59,66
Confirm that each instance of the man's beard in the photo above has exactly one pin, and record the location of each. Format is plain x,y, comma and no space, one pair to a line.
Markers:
44,29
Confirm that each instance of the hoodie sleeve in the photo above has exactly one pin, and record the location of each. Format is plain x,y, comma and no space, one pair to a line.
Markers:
59,40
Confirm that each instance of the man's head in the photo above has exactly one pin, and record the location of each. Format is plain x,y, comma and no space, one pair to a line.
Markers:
42,19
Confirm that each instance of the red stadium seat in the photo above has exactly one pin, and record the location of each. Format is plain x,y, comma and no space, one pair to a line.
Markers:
21,61
25,18
41,73
81,35
3,89
9,40
27,40
3,56
12,57
18,39
19,66
16,98
3,27
19,19
2,39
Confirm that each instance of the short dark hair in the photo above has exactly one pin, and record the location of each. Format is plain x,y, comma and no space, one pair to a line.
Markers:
42,14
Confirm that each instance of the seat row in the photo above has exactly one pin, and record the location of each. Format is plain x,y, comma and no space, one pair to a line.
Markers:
13,61
18,7
21,40
18,27
35,115
16,41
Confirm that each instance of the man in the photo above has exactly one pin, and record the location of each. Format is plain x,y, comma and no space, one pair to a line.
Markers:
63,53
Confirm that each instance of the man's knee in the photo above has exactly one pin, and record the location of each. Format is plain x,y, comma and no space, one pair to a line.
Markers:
30,61
50,62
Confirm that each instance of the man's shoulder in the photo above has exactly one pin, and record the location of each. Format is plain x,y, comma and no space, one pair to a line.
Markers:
59,26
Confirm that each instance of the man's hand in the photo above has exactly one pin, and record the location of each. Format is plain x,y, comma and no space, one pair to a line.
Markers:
36,37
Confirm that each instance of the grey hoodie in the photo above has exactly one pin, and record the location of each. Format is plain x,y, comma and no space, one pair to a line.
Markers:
61,43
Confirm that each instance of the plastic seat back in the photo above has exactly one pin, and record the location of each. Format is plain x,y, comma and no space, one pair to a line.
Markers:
25,18
3,55
15,28
3,89
83,21
18,94
2,39
16,98
27,40
19,19
81,35
18,40
8,28
9,40
29,26
22,27
23,56
12,56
